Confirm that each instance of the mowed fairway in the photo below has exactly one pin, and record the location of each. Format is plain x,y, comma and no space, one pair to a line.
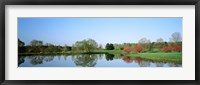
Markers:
161,56
164,57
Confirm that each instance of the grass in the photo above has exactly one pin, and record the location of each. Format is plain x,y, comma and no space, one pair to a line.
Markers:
109,51
169,57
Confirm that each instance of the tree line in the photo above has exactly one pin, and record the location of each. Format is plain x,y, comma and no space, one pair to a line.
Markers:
90,45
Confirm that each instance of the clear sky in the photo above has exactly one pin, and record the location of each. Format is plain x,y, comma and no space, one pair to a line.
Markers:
61,31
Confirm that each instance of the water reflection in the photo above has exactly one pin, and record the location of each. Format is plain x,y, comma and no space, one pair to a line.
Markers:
127,59
109,57
36,59
85,60
90,60
21,60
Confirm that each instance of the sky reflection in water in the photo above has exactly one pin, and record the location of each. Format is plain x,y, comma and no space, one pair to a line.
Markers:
89,60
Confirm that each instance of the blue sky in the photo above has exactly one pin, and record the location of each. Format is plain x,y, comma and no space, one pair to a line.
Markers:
61,31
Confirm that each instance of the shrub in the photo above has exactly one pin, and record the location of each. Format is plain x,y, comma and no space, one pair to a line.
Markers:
127,50
177,48
138,48
167,49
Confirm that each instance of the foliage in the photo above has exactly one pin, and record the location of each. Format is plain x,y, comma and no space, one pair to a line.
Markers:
177,48
85,60
119,46
127,50
20,43
109,57
167,49
138,48
36,43
109,46
87,45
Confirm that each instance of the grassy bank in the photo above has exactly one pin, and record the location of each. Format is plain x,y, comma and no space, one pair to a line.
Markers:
109,51
171,57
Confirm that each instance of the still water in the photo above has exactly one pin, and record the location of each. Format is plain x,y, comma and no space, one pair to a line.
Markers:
89,60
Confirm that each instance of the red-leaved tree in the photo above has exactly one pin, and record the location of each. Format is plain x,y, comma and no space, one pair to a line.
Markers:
127,50
138,48
167,49
177,48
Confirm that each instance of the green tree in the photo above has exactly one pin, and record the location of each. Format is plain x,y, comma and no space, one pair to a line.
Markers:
65,49
20,43
87,45
109,46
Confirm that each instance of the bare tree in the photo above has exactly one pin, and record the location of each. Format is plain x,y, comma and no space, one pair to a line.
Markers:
36,43
159,40
176,37
144,40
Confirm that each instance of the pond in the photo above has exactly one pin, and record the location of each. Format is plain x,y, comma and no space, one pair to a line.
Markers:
89,60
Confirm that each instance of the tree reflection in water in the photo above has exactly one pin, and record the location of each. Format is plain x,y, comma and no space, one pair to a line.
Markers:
90,60
21,60
141,62
138,59
145,64
159,64
49,58
127,59
109,57
173,65
34,60
86,60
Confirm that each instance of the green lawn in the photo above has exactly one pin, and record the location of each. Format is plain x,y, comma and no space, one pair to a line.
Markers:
110,51
160,56
169,57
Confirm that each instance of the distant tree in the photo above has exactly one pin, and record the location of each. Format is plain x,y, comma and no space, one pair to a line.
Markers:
117,46
36,43
138,48
48,44
151,46
100,46
176,37
159,40
145,43
20,43
144,40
